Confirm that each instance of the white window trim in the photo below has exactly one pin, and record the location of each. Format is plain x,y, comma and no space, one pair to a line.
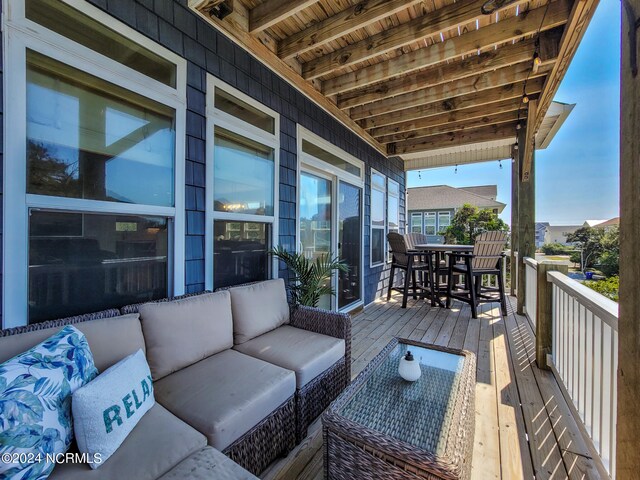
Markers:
435,223
371,227
20,34
416,215
397,196
438,226
314,166
217,118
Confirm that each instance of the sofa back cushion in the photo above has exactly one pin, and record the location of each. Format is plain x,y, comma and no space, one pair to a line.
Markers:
258,308
110,339
182,332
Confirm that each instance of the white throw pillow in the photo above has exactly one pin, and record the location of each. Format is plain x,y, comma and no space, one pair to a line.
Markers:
108,408
35,403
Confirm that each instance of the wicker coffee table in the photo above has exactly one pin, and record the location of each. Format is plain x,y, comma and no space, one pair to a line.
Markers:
383,427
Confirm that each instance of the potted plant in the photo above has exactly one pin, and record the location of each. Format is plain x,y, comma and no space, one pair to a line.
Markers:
312,278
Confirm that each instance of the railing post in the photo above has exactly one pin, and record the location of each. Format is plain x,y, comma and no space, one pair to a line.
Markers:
544,309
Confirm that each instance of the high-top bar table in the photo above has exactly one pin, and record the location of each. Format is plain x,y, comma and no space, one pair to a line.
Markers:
440,250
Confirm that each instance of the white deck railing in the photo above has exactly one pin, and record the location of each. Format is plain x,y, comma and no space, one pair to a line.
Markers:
584,359
531,284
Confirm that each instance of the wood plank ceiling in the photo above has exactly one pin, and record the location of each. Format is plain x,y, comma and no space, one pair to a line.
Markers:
411,76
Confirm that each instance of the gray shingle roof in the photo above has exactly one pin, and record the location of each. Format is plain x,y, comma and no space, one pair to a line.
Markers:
444,196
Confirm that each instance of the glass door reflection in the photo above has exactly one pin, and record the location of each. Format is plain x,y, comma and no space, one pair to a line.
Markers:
349,243
315,220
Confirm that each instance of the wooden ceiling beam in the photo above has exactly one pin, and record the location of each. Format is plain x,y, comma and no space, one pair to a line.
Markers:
432,23
498,78
514,28
473,65
454,139
270,12
416,136
404,131
504,92
353,18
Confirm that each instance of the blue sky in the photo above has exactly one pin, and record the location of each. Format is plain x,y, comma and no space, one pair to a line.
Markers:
577,175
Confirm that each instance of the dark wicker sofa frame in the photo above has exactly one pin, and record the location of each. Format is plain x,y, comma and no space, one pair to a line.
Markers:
287,425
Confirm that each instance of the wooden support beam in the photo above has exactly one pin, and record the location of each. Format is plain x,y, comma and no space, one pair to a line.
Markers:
270,12
530,141
577,23
544,309
526,221
353,18
628,375
495,34
402,131
279,67
440,20
453,139
498,78
515,190
505,92
466,124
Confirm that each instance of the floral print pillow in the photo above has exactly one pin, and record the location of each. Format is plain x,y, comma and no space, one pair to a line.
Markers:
35,403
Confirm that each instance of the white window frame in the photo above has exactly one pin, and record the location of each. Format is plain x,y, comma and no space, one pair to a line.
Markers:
435,223
20,34
416,215
218,118
396,196
371,226
443,213
314,166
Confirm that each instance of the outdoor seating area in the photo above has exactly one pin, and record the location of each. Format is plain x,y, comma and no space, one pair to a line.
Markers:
469,273
187,342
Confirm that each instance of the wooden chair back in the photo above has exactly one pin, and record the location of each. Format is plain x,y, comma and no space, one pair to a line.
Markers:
488,249
413,239
398,248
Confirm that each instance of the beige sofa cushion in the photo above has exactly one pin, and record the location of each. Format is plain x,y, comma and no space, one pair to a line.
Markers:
208,464
258,308
226,395
110,339
182,332
159,442
306,353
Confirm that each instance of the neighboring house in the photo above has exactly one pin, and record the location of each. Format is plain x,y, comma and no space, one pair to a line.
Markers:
558,233
609,224
431,209
542,233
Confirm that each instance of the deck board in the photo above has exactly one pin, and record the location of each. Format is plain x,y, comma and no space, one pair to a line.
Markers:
513,438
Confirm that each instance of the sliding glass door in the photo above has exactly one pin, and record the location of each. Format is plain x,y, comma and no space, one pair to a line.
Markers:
316,226
349,243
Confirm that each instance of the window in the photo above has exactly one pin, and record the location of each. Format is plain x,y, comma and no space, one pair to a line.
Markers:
430,223
378,193
330,158
444,220
241,194
416,222
393,208
95,154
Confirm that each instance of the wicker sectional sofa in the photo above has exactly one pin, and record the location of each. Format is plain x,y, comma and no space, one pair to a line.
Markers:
236,372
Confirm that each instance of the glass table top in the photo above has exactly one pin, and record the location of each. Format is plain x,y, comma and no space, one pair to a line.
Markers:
418,413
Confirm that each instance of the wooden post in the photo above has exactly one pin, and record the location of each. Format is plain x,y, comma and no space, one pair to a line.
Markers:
628,453
544,309
526,219
515,180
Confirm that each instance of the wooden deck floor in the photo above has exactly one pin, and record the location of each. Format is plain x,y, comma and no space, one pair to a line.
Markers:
524,428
